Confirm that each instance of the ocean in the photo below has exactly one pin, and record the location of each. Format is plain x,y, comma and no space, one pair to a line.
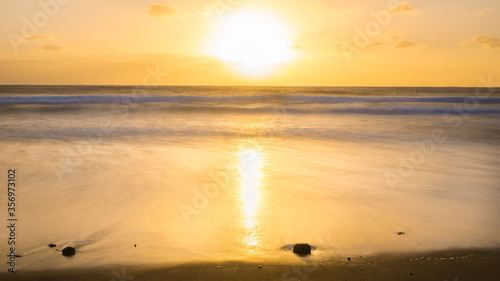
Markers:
175,174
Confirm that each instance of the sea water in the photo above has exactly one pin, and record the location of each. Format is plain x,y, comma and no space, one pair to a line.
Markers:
171,174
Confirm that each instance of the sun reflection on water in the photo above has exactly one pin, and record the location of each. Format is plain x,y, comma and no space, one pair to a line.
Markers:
250,171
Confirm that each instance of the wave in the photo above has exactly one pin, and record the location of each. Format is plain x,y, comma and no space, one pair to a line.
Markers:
283,99
263,109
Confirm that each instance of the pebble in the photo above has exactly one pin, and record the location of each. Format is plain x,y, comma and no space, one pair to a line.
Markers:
68,251
302,249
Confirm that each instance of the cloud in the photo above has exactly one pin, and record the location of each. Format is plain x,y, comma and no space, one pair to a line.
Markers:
38,36
483,11
391,38
404,44
162,11
487,42
51,47
404,7
376,43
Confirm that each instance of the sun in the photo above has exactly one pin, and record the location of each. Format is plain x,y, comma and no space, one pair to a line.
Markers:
253,41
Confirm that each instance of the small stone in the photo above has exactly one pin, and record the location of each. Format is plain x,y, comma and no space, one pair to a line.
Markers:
411,273
135,245
260,266
68,251
401,233
349,259
219,267
302,249
52,245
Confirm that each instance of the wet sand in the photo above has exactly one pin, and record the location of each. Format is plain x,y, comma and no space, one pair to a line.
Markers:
451,265
209,186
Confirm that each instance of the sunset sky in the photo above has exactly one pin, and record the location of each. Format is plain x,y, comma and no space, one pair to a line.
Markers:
250,42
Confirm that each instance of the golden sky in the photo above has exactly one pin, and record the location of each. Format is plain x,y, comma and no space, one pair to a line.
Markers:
250,42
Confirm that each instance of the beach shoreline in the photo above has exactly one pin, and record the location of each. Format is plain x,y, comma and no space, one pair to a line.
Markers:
196,185
453,264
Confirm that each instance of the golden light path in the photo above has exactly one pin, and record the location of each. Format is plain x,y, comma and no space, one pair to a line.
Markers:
250,161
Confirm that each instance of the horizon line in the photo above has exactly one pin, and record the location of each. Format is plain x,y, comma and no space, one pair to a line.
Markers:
200,85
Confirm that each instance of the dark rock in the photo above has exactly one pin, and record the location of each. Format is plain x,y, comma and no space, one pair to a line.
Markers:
401,233
349,259
52,245
68,251
135,245
302,249
411,273
260,266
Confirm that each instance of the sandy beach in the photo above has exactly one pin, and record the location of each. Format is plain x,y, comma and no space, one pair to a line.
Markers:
193,187
451,265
